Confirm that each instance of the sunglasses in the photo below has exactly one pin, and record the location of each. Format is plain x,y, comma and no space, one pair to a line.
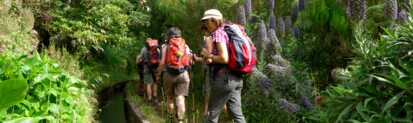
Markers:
205,21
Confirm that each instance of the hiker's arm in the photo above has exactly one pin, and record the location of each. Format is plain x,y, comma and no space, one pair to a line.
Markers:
137,59
222,57
140,55
198,59
161,66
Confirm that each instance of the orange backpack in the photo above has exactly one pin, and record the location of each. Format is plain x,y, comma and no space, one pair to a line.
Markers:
177,57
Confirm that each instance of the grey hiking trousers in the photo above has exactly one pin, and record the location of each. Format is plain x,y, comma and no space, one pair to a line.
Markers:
225,89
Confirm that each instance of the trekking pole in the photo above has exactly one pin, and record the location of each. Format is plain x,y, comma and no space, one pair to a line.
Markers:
193,108
162,85
193,99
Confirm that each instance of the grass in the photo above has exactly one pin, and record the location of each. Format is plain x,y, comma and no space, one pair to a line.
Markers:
149,111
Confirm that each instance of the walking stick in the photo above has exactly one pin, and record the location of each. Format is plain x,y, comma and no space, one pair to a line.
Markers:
163,105
193,98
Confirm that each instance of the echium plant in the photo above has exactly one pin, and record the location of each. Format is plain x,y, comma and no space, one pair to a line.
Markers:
280,26
241,18
356,9
390,9
248,8
271,21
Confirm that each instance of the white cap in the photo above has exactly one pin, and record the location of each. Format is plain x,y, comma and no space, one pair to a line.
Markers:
212,13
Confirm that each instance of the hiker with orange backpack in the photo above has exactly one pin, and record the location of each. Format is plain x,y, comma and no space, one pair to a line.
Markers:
174,65
231,58
150,57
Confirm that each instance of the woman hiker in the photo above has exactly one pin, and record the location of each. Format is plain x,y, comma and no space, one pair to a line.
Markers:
225,86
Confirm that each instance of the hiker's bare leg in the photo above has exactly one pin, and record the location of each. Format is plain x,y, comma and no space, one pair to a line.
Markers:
154,90
180,107
225,108
149,92
170,103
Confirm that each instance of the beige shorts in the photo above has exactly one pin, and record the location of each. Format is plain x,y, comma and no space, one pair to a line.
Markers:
176,85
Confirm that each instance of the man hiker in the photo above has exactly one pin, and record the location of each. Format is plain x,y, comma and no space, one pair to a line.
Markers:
226,80
174,65
150,57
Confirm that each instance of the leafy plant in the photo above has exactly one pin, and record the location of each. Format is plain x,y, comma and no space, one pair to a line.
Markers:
36,89
380,87
325,40
106,22
12,91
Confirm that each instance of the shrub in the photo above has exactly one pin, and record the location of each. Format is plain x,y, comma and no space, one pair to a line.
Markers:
379,89
52,94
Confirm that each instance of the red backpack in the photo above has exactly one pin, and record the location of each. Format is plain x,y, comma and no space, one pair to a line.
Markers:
153,51
241,50
177,56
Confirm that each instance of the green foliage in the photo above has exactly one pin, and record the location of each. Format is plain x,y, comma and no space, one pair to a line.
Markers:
325,41
115,64
299,86
150,112
12,91
52,96
96,35
108,22
380,87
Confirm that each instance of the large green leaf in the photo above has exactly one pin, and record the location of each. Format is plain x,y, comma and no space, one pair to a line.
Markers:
12,91
392,102
343,113
361,110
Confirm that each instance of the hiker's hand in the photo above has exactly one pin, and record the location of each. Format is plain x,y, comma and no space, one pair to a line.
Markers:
197,58
208,38
209,61
205,53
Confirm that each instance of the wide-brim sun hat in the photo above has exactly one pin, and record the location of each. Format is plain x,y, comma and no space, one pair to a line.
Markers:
212,13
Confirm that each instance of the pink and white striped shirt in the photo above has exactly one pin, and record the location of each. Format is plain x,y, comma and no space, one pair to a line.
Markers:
219,36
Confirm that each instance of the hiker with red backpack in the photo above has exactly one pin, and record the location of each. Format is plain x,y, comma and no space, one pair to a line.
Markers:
150,57
207,44
174,65
231,58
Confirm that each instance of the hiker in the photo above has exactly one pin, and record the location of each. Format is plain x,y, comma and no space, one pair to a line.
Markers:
226,71
140,85
150,56
207,44
174,64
